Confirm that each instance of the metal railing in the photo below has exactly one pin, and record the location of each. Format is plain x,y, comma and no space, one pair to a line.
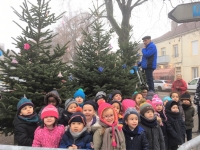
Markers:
192,144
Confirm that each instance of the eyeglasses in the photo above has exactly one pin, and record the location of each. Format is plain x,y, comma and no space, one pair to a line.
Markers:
110,116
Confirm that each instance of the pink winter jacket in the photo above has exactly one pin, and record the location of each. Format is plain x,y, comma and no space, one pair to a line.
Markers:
50,138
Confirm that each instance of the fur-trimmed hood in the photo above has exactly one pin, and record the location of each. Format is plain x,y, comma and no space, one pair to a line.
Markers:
54,94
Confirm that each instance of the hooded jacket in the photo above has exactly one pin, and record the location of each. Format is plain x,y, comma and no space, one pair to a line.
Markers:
149,57
197,94
24,131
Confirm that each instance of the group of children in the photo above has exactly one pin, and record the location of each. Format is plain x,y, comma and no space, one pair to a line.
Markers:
143,122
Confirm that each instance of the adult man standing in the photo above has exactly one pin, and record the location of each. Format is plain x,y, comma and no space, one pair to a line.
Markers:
179,85
149,60
197,102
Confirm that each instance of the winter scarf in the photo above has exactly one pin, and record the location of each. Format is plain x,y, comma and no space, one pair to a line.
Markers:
30,118
149,123
128,131
111,131
162,115
173,114
185,106
77,135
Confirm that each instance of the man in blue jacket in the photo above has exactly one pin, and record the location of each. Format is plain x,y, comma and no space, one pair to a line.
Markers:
149,60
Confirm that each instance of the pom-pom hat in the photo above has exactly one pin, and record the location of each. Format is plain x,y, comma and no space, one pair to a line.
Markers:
129,111
126,103
23,102
156,101
99,95
49,111
144,107
79,93
70,101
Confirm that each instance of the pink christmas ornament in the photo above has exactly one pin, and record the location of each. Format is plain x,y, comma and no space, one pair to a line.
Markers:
60,75
14,61
110,46
26,46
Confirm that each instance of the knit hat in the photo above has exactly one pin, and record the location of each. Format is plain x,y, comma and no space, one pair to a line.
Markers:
116,92
48,111
23,102
166,98
92,103
80,93
126,103
170,104
99,95
185,95
144,107
150,95
77,117
129,111
120,105
54,94
70,101
156,101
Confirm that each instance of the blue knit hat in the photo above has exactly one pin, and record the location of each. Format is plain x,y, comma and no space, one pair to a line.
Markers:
23,102
80,93
166,98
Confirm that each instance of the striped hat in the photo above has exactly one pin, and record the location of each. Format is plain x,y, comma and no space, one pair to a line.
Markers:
49,111
23,102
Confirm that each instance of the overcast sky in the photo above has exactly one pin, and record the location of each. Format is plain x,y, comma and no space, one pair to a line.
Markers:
148,19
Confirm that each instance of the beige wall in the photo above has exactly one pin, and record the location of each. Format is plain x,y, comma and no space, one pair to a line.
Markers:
186,60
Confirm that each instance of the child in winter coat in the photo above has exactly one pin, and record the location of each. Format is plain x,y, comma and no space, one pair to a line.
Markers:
71,107
54,99
189,114
79,97
92,120
161,116
137,98
110,136
175,97
116,95
149,124
25,122
49,133
118,108
76,136
166,99
175,125
135,135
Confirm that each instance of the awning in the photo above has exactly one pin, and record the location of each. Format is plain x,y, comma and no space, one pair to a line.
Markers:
164,72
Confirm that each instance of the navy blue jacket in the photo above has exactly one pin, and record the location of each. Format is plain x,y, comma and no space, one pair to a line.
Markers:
82,142
136,141
149,57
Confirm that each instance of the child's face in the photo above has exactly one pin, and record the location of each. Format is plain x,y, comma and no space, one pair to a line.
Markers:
175,97
49,121
174,108
132,121
26,110
144,93
76,126
88,112
79,100
138,99
165,102
149,114
159,107
116,107
108,116
72,108
52,100
185,101
117,97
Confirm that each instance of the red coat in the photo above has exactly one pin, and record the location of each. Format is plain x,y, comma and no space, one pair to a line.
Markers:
179,86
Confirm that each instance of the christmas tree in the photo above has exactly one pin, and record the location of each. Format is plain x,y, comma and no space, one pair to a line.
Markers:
38,68
97,68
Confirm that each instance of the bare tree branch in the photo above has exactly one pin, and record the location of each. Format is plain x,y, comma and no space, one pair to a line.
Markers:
138,3
120,5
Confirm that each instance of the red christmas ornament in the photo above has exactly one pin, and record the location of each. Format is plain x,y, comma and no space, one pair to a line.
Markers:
26,46
63,81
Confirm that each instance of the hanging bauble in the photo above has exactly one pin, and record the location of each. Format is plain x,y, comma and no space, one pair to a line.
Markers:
131,71
14,61
60,75
124,66
100,69
137,55
63,81
70,77
26,46
110,46
1,53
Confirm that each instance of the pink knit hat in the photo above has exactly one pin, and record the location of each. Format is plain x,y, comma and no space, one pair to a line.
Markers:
126,103
156,101
102,107
48,111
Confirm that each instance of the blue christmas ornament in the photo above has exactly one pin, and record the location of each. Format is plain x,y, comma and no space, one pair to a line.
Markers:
124,66
1,53
70,78
131,71
137,55
100,69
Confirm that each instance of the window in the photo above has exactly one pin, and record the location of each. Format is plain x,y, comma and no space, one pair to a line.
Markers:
193,82
175,48
195,48
195,72
178,70
163,51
